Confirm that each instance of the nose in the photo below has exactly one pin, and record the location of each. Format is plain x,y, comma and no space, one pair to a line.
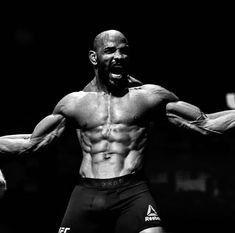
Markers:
118,55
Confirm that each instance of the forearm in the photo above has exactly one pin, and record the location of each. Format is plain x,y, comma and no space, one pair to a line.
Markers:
15,144
187,116
16,136
196,125
24,143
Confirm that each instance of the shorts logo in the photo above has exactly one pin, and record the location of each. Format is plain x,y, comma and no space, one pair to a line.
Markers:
64,229
151,215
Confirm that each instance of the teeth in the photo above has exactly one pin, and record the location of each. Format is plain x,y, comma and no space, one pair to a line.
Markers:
116,75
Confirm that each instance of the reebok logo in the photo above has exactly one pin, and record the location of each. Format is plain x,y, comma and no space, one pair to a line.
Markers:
64,229
151,215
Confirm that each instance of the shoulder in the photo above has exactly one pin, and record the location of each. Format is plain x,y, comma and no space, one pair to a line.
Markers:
69,101
133,82
153,91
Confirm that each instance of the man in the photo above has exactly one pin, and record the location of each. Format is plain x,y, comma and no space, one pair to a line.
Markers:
112,117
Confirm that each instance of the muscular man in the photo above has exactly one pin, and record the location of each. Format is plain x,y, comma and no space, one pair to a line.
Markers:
112,118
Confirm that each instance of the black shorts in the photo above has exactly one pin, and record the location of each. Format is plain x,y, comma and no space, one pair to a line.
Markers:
121,205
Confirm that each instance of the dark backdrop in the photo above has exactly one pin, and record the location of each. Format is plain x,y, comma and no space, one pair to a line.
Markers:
188,49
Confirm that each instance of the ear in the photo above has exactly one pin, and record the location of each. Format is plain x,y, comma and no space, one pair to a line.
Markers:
93,57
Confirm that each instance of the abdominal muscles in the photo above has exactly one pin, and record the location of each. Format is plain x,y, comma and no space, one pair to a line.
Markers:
111,151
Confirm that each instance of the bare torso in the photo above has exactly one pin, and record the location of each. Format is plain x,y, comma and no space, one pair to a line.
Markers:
113,130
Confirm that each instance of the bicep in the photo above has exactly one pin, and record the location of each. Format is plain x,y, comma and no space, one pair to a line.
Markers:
188,116
53,125
185,111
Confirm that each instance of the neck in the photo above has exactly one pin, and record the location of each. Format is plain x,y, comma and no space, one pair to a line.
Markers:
98,86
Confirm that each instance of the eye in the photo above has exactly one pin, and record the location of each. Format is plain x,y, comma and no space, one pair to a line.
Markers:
125,50
109,50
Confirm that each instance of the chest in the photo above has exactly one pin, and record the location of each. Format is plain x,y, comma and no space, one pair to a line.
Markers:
97,110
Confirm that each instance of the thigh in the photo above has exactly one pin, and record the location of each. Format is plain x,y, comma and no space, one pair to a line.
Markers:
78,216
138,213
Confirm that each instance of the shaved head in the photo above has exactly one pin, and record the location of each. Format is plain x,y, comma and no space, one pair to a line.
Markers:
110,59
107,35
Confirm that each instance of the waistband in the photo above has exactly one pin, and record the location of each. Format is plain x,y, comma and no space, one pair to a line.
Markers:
113,182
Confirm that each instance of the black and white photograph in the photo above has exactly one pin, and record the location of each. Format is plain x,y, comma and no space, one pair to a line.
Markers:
117,118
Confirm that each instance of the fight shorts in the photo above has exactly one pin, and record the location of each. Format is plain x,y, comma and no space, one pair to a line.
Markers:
117,205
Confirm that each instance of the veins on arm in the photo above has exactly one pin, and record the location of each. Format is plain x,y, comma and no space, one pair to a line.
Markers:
14,144
48,129
190,117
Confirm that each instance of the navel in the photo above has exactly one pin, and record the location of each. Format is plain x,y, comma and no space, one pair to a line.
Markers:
107,156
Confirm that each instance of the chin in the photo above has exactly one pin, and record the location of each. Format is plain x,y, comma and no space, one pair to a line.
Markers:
117,81
116,84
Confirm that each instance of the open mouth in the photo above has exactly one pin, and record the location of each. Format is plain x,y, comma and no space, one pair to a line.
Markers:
116,76
116,72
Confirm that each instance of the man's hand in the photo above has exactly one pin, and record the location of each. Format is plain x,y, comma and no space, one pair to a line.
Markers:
3,185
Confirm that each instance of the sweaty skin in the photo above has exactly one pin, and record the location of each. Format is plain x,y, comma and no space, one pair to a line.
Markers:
112,116
113,130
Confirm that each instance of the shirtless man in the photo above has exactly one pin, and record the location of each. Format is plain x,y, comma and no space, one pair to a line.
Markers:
112,118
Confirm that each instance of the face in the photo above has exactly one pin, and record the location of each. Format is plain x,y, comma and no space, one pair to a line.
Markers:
112,58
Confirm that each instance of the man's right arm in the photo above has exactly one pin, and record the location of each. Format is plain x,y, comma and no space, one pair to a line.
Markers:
48,129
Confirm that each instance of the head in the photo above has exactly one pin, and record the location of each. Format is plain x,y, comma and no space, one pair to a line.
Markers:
110,58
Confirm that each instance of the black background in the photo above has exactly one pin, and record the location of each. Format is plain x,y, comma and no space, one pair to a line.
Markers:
187,49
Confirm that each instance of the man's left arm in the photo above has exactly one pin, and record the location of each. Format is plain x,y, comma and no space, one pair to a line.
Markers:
188,116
